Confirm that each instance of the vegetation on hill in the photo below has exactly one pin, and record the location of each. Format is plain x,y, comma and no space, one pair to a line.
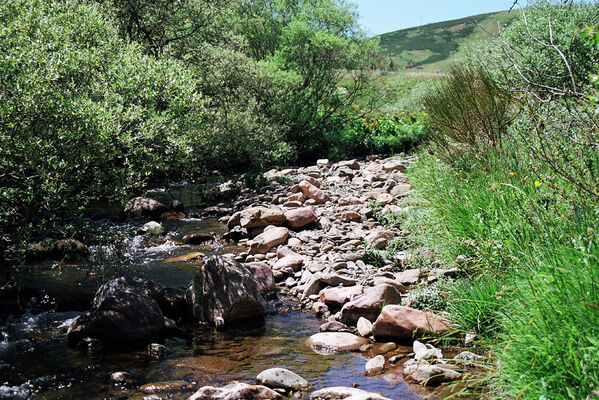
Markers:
439,45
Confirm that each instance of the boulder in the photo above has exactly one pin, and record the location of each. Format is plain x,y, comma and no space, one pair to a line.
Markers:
69,249
268,239
171,301
331,342
281,378
408,277
368,304
143,207
353,164
333,326
223,291
394,166
339,393
312,192
263,275
300,217
399,322
293,262
122,318
239,391
258,217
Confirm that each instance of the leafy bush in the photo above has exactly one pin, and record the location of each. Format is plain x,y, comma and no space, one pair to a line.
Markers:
378,134
84,115
433,297
468,114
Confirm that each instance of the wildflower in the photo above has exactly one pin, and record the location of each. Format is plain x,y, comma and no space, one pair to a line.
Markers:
512,173
538,184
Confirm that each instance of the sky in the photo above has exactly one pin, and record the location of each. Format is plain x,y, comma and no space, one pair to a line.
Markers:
382,16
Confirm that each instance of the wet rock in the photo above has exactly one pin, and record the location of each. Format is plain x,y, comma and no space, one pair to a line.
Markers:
236,234
339,393
270,238
120,378
164,387
151,228
121,319
300,217
223,291
258,217
263,275
69,249
157,351
335,341
197,238
239,391
333,326
375,366
368,304
143,207
312,192
364,327
319,308
176,205
399,322
282,378
193,256
430,374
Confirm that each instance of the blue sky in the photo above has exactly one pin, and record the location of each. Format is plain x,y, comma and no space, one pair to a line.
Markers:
381,16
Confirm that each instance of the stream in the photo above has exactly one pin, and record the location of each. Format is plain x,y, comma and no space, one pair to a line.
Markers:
36,362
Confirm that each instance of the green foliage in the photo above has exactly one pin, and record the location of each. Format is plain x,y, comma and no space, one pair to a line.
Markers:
468,113
378,133
433,297
254,179
372,256
385,218
84,115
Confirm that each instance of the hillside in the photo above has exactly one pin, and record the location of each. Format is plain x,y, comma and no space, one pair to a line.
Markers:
436,46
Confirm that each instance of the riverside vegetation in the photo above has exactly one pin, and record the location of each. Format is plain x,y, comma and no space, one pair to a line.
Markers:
101,101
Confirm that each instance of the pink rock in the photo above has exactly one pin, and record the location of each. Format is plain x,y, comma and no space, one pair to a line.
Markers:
263,274
368,304
300,217
257,217
270,238
353,164
296,197
336,297
312,192
293,262
399,322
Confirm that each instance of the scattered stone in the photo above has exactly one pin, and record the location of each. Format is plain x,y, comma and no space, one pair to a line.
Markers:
387,347
270,238
120,378
332,326
375,366
336,297
364,327
239,391
197,238
151,228
282,378
263,275
300,217
426,351
408,277
312,192
164,387
394,166
430,374
331,342
157,351
258,217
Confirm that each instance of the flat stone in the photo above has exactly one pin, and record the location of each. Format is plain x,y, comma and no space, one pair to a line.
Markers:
270,238
399,322
369,303
300,217
332,342
282,378
239,391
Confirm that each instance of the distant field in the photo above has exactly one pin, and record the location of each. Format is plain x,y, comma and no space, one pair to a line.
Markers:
437,46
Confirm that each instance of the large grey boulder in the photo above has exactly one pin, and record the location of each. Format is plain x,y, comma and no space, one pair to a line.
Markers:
223,291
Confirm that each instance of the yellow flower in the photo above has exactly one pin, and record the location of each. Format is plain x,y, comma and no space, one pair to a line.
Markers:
512,173
538,184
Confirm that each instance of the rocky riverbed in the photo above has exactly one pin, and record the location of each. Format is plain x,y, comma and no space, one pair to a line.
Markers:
309,239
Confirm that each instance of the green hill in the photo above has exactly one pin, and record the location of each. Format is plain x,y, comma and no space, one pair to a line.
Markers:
437,46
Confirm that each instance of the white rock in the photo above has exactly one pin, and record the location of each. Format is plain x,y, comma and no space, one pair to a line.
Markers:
332,342
282,378
375,365
364,327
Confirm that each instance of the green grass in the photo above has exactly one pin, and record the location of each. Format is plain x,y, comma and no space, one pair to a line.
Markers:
441,44
533,291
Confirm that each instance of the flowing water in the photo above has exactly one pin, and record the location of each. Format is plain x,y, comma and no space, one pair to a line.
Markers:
35,359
